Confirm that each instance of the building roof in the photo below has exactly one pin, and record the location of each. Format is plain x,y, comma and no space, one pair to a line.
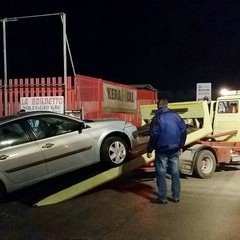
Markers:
144,86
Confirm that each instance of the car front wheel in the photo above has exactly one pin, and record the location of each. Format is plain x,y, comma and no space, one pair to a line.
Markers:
2,191
114,151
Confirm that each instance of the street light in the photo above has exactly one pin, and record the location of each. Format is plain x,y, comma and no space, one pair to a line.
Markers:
224,92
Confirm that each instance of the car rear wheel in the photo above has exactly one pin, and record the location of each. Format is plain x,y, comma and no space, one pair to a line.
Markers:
114,151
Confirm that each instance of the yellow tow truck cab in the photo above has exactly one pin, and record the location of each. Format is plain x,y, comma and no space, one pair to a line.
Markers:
227,116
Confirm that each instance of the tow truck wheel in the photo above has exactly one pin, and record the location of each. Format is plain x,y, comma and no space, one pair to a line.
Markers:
205,164
114,152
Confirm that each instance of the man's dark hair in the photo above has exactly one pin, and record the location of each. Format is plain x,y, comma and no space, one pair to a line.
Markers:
162,103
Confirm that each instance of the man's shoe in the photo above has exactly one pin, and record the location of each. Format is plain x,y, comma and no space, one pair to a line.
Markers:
176,200
158,201
162,201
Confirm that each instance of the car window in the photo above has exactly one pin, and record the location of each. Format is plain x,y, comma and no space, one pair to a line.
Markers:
12,134
49,126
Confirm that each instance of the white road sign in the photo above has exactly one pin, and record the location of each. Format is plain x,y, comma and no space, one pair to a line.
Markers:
204,91
53,104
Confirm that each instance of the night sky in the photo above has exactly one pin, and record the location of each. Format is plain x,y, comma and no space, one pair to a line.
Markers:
171,45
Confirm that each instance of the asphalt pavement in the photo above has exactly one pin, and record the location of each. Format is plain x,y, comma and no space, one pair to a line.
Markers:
124,209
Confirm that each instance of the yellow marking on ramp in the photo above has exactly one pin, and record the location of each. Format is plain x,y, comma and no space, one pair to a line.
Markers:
95,181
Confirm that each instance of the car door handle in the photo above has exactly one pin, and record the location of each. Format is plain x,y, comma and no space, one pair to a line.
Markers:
3,157
48,145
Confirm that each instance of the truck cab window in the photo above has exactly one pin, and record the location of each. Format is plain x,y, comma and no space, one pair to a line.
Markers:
228,106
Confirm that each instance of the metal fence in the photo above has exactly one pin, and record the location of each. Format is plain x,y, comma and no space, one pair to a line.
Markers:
83,94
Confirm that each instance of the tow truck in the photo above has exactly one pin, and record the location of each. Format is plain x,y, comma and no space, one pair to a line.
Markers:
213,133
213,138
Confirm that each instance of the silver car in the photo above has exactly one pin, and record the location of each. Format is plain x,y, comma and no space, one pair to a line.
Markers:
38,145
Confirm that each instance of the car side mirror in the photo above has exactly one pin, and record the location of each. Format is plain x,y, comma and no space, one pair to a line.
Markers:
81,126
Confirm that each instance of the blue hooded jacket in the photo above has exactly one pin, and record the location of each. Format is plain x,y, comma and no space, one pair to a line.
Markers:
167,132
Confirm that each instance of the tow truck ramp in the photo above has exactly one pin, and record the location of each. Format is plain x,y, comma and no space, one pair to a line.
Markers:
95,181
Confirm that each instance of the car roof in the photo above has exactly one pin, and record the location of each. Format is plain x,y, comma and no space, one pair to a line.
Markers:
27,114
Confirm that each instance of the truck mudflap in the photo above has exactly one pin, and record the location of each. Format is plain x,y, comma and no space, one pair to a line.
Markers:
187,159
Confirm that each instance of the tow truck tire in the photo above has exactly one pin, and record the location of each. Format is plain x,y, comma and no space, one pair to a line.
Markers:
205,164
114,152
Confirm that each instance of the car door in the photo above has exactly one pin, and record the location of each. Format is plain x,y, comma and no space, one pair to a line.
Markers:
63,146
21,160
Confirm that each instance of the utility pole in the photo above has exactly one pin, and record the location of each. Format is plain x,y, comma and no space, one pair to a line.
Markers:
63,16
5,68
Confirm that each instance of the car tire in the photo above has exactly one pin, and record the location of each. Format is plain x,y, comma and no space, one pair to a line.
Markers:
2,191
205,164
114,152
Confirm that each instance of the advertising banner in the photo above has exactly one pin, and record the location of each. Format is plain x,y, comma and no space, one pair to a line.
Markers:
119,99
53,104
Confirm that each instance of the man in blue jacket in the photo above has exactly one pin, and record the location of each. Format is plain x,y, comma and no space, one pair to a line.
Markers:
167,137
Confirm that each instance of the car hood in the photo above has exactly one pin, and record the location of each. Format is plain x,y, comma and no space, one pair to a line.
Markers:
106,122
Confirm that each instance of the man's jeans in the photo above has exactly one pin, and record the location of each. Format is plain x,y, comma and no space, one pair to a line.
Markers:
167,163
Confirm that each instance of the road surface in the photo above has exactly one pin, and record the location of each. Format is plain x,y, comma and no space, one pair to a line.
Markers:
124,210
